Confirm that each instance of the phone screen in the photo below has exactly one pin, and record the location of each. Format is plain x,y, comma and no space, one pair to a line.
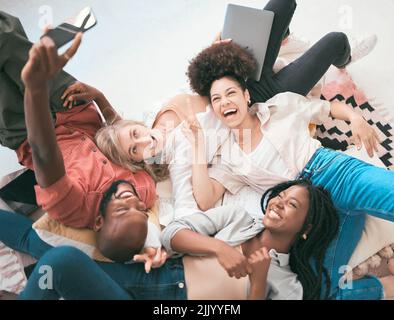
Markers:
66,31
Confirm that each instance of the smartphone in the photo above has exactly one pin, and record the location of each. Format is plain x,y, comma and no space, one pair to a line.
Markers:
65,32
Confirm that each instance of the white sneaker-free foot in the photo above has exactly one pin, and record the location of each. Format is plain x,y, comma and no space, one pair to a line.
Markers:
360,47
294,44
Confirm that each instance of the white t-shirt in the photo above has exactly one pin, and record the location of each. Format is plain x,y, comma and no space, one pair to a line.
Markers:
178,155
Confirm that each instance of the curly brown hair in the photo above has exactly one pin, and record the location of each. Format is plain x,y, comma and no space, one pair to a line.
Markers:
218,61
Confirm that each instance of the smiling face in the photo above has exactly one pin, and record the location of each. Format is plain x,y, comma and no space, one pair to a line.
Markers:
122,229
286,213
230,102
139,142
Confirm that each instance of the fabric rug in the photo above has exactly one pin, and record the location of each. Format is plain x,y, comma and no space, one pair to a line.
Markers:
336,134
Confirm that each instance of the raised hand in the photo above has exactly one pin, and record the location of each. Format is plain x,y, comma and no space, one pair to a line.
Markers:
79,91
45,62
259,261
364,134
152,258
233,261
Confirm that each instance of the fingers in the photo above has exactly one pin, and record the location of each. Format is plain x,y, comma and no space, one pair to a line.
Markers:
368,147
70,52
47,28
223,41
357,142
157,256
376,140
218,37
148,265
259,255
51,53
34,54
163,257
143,258
71,89
160,258
43,57
240,270
140,258
69,101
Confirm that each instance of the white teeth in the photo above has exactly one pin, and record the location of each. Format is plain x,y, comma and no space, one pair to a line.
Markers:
126,194
274,215
225,113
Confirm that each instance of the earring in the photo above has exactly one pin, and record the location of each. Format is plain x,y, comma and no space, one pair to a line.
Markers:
249,102
305,234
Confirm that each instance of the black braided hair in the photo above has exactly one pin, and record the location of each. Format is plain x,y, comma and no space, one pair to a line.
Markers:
307,256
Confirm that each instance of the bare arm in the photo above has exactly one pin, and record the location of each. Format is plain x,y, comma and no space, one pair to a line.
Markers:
47,158
342,111
43,63
260,263
206,191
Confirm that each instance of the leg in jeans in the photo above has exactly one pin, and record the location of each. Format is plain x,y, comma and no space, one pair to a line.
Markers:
17,233
357,188
74,277
14,49
301,75
93,280
266,88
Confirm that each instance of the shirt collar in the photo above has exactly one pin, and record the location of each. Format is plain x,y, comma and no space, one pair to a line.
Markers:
281,258
262,111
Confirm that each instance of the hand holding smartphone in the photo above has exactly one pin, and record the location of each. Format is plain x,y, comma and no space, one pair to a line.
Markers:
65,32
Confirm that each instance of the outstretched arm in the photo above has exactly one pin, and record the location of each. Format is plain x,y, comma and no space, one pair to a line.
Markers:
44,62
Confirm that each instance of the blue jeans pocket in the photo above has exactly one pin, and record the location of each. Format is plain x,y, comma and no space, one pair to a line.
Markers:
165,283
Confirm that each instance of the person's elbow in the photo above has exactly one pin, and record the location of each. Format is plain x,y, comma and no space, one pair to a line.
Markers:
205,203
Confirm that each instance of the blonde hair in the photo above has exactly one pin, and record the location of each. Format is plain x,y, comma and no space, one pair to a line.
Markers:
107,140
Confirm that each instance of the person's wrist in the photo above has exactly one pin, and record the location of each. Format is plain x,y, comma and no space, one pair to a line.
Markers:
257,292
218,247
355,118
36,86
99,97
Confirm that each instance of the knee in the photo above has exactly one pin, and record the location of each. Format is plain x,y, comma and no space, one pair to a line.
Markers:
337,37
63,258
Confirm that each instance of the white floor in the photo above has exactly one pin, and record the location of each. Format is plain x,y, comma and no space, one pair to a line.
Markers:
138,53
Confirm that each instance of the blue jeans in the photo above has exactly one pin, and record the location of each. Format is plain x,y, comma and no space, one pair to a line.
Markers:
69,273
357,189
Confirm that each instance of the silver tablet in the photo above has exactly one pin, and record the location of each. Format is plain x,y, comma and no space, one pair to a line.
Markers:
251,29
